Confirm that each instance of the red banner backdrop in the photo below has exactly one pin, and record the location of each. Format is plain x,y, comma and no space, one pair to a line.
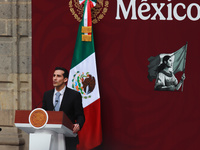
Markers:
134,115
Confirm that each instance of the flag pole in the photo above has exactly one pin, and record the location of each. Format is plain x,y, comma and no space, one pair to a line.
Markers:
183,83
184,65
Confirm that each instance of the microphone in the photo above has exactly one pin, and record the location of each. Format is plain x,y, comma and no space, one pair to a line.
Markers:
55,105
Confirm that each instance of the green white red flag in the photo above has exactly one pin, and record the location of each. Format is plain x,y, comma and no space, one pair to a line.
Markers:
83,78
178,58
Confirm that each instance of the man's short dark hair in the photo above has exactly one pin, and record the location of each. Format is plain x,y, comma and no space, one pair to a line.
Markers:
66,73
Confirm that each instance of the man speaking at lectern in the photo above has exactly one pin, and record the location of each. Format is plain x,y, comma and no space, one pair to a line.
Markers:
62,98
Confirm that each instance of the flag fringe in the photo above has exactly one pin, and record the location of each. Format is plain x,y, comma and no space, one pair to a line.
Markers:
87,38
87,29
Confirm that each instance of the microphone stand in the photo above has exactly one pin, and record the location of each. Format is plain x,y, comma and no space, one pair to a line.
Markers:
38,104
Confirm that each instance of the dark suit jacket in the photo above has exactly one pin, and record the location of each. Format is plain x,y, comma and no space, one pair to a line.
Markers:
71,105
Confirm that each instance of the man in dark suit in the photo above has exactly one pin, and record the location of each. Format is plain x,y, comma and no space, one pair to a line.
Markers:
62,98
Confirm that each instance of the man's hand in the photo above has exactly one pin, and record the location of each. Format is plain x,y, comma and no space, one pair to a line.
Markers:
76,128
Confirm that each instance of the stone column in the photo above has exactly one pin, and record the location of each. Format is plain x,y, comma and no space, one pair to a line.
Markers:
15,70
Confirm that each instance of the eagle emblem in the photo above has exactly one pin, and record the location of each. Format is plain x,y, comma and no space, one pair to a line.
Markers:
83,83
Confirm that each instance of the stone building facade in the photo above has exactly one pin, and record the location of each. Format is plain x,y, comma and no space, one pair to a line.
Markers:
15,70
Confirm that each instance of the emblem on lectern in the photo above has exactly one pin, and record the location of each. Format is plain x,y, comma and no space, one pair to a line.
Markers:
98,12
38,118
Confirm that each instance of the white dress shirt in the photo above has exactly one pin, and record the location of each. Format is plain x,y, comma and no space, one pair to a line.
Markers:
61,96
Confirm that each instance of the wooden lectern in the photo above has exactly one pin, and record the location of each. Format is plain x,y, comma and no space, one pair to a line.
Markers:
47,129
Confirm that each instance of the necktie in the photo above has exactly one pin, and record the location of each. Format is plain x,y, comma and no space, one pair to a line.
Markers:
57,101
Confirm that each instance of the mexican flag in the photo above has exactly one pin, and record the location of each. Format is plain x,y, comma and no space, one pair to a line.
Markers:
178,58
83,78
